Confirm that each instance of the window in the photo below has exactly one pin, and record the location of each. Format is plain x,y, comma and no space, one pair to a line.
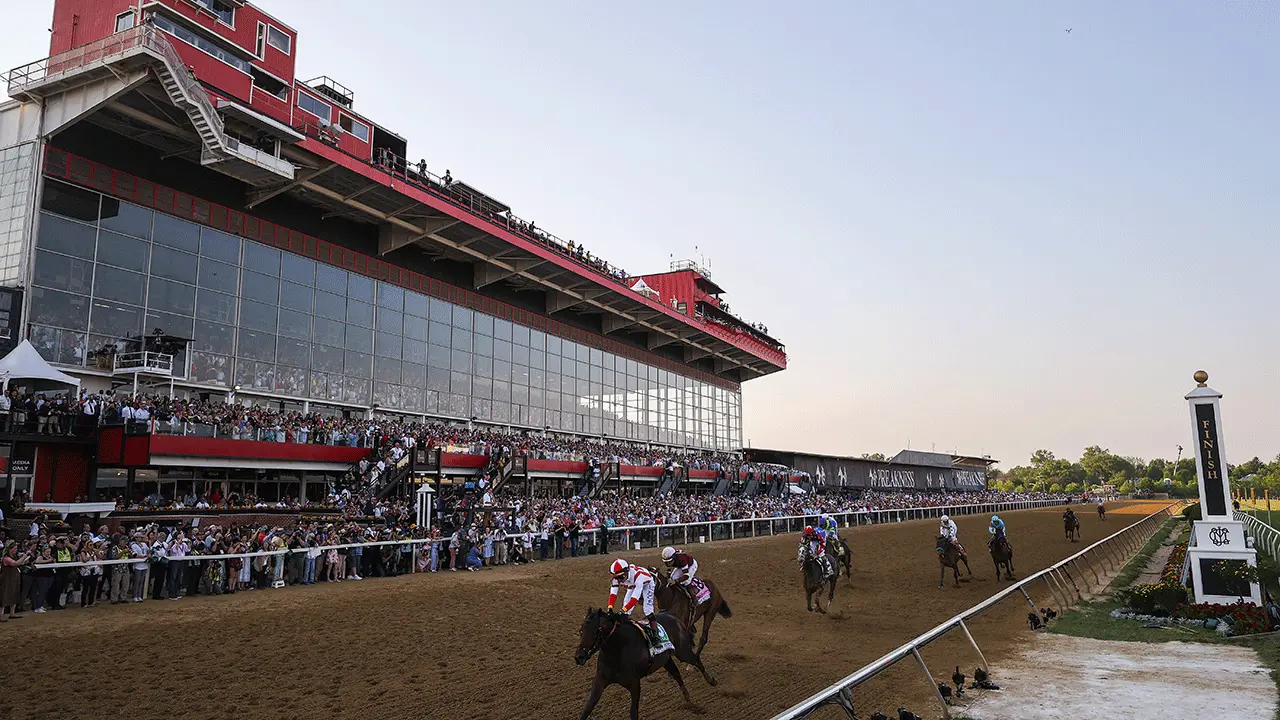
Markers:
199,41
315,106
353,126
279,40
124,21
269,84
260,47
224,11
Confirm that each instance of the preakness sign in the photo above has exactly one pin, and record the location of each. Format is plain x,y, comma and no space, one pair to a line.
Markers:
835,472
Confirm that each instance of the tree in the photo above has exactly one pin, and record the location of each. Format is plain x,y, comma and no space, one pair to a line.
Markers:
1073,488
1125,488
1055,488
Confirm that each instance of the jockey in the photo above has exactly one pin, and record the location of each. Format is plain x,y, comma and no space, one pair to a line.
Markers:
639,586
683,567
947,529
827,524
817,545
996,529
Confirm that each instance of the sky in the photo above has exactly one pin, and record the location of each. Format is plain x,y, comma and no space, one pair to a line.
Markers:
974,230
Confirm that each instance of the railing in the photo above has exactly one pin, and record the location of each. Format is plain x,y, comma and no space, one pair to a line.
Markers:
191,87
1064,580
77,58
1263,534
153,362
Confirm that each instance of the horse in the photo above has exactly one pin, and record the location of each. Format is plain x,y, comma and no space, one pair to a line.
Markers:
676,600
624,656
1071,525
1102,512
950,556
841,554
1002,555
814,578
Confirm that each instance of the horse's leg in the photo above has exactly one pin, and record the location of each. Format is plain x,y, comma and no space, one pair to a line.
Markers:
706,627
942,574
808,598
697,663
674,672
597,688
635,700
965,559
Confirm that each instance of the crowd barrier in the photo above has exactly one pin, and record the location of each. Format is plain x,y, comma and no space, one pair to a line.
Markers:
648,536
1265,537
1063,579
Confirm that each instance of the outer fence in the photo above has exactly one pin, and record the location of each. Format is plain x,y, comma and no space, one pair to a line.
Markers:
647,536
1265,537
1064,580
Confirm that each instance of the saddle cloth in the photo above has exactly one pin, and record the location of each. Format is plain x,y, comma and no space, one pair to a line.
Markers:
658,640
701,593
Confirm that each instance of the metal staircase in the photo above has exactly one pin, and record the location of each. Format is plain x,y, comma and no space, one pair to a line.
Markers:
513,465
723,484
610,475
678,474
753,486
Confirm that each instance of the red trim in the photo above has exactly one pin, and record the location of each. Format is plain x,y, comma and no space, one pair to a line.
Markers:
65,166
639,470
703,474
560,466
461,460
177,445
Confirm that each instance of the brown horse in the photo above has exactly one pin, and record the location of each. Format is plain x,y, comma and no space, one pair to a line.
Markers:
675,599
625,658
1102,511
950,556
841,555
1071,525
815,577
1002,555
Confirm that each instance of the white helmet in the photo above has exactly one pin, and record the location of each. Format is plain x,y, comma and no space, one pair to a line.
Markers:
619,567
945,518
668,554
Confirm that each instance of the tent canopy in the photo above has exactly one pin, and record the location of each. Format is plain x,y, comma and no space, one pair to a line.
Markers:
24,363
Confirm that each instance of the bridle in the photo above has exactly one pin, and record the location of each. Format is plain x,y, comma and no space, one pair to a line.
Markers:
597,643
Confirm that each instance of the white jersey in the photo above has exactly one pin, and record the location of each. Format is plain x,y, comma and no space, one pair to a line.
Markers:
948,529
639,587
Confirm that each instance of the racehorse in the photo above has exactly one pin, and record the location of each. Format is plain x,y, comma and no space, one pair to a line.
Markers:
625,658
1002,555
1071,524
949,556
675,600
1102,512
841,554
814,578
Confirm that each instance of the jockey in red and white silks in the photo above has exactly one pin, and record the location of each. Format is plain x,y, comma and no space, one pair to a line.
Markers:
639,586
816,544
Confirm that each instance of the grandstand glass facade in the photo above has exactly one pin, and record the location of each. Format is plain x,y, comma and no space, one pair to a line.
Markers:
282,325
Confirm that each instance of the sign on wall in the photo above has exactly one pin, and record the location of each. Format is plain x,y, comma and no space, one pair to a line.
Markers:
830,472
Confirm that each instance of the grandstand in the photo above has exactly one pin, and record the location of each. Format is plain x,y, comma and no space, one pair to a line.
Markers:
181,215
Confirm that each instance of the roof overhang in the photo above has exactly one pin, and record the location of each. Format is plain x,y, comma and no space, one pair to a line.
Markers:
258,121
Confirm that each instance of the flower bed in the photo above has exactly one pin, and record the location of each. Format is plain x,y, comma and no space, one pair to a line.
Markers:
1172,572
1244,619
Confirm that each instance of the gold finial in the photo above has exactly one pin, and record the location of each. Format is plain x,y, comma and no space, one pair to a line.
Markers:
1201,378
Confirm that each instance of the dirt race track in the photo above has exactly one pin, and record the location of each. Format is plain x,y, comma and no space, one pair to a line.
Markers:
500,643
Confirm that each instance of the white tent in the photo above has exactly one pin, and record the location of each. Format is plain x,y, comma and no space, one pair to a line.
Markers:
24,363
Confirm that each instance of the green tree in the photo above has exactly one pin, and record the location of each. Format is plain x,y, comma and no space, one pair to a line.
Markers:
1055,488
1124,488
1073,488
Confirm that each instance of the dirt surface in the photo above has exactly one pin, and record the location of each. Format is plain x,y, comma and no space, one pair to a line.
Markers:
1099,678
500,643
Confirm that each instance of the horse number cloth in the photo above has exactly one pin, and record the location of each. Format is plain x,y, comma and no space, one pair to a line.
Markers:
659,642
701,593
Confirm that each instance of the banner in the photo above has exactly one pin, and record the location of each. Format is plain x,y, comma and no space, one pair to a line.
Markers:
835,472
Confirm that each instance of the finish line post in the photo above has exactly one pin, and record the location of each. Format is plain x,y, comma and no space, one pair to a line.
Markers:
1217,536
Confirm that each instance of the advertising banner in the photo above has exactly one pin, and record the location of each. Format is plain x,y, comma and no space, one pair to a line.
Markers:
835,472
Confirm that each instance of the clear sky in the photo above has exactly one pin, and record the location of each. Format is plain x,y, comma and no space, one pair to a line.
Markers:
974,230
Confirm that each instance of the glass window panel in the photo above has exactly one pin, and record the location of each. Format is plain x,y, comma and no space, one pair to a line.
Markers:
520,355
438,379
501,329
65,236
119,285
295,353
213,337
176,233
415,328
358,364
483,324
502,350
437,356
482,387
597,375
298,269
415,304
360,313
414,375
215,306
173,265
219,246
386,370
536,397
582,370
60,346
331,279
50,307
520,335
258,316
255,375
501,412
553,381
462,339
331,306
122,251
71,201
441,311
126,218
296,297
170,296
260,287
537,377
483,365
502,391
484,345
482,409
520,374
537,339
210,368
553,400
461,361
115,319
327,359
501,370
388,346
291,380
262,259
329,332
61,272
537,359
415,351
520,394
390,321
256,345
384,394
553,364
440,334
219,276
390,296
597,357
360,287
295,325
359,339
336,387
460,383
171,324
583,352
462,317
553,345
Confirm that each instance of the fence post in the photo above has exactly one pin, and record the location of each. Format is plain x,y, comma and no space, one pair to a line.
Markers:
974,643
946,711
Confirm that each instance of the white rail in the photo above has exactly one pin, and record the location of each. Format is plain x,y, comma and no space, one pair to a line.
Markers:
1058,577
1265,537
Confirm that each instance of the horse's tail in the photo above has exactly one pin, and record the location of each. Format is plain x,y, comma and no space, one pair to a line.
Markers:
723,610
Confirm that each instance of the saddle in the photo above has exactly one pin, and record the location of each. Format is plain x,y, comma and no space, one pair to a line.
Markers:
659,642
